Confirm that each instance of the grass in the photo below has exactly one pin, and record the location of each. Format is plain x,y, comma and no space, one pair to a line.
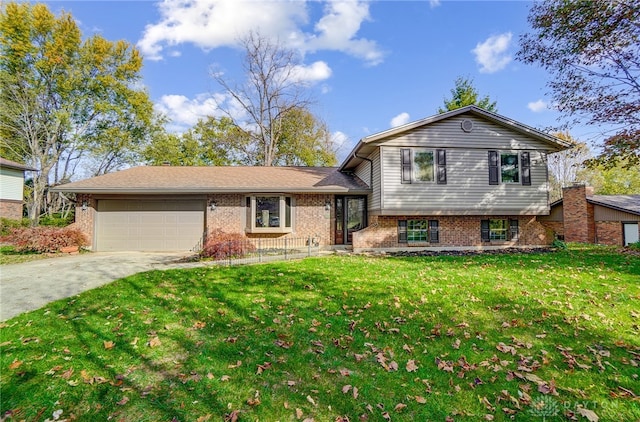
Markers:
532,337
9,255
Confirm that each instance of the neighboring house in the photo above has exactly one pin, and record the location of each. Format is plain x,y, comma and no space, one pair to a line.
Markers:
581,216
12,188
468,178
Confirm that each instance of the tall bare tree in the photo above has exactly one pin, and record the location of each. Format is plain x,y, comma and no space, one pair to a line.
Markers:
591,49
565,166
273,90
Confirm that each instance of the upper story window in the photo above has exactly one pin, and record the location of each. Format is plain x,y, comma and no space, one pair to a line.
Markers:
269,214
423,165
509,167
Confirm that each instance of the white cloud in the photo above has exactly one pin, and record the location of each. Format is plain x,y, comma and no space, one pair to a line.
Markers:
184,112
434,3
337,30
538,106
215,23
400,119
316,72
492,54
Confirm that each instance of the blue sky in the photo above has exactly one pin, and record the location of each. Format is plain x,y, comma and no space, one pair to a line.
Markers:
372,65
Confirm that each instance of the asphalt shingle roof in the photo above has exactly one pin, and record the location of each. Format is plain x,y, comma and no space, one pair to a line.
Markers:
170,179
627,203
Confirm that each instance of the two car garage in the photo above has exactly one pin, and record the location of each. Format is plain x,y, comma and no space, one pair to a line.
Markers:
149,225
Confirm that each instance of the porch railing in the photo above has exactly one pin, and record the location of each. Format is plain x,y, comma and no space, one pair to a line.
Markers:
252,251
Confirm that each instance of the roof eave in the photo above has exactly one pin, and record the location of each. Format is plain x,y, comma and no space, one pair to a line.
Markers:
186,191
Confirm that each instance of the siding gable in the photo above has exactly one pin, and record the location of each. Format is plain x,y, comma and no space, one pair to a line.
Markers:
449,134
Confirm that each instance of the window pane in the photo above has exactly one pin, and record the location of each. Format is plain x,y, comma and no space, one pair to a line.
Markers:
417,231
423,170
267,211
509,168
498,229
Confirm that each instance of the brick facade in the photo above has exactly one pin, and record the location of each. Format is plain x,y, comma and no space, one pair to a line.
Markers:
579,224
85,218
311,218
11,209
454,231
609,232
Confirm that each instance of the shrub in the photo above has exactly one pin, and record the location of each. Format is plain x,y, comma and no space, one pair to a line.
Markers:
635,246
559,244
56,220
6,225
221,245
45,239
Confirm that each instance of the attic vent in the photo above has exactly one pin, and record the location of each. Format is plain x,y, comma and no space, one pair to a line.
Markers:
467,125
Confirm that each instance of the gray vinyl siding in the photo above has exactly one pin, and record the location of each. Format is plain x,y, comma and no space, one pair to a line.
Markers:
448,134
11,184
375,201
363,171
467,191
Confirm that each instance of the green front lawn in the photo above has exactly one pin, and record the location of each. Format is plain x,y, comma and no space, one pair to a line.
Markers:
545,336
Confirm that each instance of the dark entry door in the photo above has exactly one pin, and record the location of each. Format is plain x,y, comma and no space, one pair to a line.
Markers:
351,216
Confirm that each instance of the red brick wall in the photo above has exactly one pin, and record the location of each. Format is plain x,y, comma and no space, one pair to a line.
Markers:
609,233
557,227
463,231
579,224
11,209
85,218
310,218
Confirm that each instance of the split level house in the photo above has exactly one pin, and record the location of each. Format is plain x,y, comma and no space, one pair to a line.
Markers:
463,179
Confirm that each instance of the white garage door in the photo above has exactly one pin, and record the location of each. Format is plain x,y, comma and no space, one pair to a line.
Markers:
156,225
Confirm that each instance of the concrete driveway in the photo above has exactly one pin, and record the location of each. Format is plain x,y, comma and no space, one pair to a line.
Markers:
31,285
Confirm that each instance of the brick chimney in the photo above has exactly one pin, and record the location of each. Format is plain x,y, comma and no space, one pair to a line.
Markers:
579,222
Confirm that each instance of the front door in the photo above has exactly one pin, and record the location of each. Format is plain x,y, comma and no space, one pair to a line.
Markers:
351,216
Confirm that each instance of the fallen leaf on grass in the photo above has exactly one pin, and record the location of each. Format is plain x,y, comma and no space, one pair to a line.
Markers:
421,400
124,401
411,366
15,364
589,414
299,413
154,342
400,407
311,400
263,367
108,345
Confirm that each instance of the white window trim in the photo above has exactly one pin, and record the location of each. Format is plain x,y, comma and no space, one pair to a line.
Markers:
414,166
251,224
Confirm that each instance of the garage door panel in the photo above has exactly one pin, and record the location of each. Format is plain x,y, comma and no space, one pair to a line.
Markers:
162,225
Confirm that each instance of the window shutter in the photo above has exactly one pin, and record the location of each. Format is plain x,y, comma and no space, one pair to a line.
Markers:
441,160
494,168
484,231
405,156
525,165
513,229
434,232
402,231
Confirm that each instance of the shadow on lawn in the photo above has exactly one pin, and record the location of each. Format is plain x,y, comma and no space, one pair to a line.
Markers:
206,320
